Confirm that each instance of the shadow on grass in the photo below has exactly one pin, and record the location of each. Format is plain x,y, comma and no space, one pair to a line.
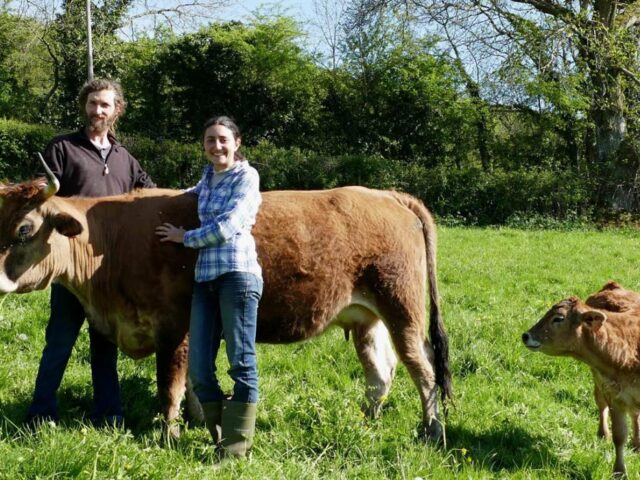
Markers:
139,402
507,449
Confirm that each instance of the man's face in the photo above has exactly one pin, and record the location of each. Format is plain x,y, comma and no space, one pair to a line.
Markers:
101,110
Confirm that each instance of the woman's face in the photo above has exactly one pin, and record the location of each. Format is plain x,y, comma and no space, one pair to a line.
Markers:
220,146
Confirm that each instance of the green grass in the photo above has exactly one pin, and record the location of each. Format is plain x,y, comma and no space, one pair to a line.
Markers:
516,415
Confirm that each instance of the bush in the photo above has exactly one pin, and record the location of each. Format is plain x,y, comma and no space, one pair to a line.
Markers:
473,196
19,145
170,164
287,169
527,197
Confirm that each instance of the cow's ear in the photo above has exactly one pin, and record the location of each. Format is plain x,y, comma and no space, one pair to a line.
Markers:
66,225
593,320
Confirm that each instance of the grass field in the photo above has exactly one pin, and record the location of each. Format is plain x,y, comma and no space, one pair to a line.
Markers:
517,414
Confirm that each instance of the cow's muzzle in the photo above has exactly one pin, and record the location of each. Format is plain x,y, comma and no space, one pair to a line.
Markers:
529,341
7,285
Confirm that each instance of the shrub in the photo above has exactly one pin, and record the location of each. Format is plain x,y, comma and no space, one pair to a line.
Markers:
19,145
485,198
170,164
528,197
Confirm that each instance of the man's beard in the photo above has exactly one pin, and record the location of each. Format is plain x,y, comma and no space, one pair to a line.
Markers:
101,125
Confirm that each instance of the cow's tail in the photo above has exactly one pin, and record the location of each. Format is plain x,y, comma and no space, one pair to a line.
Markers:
439,339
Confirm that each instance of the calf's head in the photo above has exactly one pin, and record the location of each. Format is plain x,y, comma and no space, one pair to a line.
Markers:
561,330
33,244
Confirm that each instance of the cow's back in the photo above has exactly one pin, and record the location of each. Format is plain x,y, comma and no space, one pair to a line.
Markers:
316,246
615,298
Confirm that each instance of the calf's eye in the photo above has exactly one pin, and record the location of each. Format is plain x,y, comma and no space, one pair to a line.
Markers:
557,319
24,232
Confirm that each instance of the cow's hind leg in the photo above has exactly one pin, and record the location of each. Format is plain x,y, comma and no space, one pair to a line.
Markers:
406,327
171,373
417,355
374,349
401,299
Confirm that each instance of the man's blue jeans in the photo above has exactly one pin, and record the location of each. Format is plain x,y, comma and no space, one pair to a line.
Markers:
226,306
67,316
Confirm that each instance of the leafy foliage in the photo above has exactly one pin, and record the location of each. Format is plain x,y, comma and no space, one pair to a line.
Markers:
255,73
19,144
518,414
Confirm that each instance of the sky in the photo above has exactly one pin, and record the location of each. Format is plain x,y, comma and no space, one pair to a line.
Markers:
300,9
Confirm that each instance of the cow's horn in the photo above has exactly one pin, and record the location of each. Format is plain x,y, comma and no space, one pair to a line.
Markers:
53,185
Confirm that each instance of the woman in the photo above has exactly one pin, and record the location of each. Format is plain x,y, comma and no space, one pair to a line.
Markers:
228,286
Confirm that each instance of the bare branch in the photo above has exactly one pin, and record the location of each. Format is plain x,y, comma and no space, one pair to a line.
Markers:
629,74
548,7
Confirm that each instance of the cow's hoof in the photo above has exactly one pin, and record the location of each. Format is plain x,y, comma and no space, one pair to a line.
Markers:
619,469
171,433
371,410
432,432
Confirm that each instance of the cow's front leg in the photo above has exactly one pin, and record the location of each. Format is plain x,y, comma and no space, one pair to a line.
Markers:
619,431
636,430
193,412
603,411
171,374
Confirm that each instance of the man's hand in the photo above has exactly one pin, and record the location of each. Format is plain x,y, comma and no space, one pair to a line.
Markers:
170,233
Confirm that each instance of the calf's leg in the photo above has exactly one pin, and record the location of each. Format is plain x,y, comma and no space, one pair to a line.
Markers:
619,428
374,349
603,413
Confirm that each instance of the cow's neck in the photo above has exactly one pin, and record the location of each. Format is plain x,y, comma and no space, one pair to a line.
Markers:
613,348
81,272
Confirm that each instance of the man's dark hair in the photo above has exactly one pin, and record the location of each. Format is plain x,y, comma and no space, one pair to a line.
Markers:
96,85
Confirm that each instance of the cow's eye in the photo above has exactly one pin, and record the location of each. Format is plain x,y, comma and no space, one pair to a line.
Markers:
24,232
557,319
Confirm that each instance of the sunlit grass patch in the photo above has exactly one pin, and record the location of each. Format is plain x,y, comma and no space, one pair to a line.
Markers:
516,414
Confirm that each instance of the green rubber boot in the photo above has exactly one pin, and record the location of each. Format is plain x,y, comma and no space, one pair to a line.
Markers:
213,419
238,428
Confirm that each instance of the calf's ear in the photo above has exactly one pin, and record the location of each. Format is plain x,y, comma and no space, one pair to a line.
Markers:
593,320
66,225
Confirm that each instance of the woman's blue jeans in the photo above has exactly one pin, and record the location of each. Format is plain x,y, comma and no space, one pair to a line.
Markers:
225,307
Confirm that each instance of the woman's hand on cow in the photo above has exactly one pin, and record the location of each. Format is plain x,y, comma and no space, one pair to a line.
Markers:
170,233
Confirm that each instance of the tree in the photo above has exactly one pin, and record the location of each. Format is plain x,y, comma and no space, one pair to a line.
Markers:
24,72
595,41
255,72
397,95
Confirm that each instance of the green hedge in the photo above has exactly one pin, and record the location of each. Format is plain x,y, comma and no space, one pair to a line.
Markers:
19,144
466,195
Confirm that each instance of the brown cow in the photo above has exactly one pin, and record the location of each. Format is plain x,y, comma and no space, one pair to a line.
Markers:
604,333
352,257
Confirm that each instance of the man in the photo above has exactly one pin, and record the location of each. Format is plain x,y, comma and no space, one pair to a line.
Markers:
88,163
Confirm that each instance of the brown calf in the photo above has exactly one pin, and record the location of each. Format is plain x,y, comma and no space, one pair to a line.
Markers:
604,333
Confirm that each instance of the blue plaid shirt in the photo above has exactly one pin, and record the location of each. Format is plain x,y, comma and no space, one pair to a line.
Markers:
227,213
